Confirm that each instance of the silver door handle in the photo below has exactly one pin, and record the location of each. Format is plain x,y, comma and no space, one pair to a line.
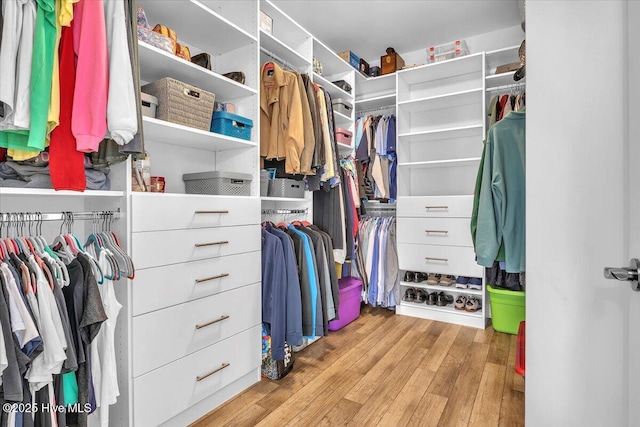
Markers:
625,274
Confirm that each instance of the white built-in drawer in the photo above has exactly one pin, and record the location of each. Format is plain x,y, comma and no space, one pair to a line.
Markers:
435,206
151,212
456,260
167,391
157,248
435,231
160,287
162,336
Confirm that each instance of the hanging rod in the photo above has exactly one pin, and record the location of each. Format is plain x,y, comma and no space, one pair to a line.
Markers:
509,86
60,216
282,62
368,110
284,211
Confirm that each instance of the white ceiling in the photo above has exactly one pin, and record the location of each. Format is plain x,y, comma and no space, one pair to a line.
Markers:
368,27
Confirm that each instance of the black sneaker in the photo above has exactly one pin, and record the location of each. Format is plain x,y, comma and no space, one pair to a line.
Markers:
409,276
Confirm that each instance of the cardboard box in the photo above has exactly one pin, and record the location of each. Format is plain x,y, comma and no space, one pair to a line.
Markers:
266,23
391,63
351,58
506,68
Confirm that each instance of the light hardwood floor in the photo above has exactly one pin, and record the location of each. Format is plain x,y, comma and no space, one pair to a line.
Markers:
388,370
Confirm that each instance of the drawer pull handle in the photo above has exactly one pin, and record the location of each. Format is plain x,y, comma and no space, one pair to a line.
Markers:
436,259
211,212
223,242
436,207
437,231
204,325
207,375
206,279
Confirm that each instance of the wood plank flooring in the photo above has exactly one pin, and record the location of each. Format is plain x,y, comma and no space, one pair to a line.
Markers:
388,370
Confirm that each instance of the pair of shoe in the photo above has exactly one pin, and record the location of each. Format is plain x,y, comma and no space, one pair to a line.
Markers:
464,282
436,279
414,276
430,298
468,303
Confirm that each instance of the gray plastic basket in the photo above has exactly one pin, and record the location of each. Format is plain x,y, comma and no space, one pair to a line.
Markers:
218,182
264,182
284,187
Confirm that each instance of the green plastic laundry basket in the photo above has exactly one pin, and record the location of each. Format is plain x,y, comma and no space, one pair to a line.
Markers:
507,309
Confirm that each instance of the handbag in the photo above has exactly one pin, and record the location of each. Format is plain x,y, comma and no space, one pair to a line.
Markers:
237,76
183,52
202,59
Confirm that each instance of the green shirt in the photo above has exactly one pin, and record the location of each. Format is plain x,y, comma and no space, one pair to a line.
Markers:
501,197
44,43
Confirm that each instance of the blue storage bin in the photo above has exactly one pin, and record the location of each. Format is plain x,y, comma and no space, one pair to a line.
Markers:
231,125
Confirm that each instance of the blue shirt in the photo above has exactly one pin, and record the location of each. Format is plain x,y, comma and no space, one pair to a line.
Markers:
273,292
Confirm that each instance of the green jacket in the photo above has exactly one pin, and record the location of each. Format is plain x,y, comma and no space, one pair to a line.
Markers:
498,218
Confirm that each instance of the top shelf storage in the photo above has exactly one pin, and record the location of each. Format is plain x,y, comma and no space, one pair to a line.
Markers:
197,25
286,33
441,78
503,56
332,64
282,51
374,87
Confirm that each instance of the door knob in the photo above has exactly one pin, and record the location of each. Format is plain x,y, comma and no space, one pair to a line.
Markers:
625,274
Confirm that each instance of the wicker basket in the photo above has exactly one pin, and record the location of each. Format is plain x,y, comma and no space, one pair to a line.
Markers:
181,103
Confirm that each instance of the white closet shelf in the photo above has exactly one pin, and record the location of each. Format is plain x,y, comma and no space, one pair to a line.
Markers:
446,309
503,56
440,163
375,102
450,289
440,134
156,64
279,48
183,136
13,191
333,90
331,62
470,64
342,118
371,86
454,99
283,199
182,195
344,148
500,79
197,25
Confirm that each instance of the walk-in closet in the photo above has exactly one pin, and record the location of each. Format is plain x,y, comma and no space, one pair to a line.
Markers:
283,212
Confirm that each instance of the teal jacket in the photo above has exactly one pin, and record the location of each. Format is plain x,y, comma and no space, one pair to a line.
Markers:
501,199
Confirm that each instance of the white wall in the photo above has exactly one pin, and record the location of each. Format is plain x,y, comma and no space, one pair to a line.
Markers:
510,36
575,362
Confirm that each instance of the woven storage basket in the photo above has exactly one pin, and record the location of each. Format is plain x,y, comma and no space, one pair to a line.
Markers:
285,187
181,103
218,182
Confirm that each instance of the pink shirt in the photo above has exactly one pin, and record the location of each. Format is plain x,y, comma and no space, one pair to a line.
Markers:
89,118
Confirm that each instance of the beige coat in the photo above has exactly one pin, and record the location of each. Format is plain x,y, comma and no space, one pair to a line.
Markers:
281,120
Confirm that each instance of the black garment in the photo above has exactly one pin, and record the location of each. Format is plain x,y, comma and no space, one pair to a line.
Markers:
42,418
73,298
326,213
58,389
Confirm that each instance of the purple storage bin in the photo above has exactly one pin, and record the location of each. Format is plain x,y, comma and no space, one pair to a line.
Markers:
349,309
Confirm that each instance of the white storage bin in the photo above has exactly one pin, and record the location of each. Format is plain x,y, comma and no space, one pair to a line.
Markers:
149,105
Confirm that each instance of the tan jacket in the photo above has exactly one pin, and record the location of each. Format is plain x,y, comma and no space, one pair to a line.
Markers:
281,122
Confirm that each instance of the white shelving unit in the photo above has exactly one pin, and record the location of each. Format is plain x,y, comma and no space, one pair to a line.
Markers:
375,92
228,31
440,131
